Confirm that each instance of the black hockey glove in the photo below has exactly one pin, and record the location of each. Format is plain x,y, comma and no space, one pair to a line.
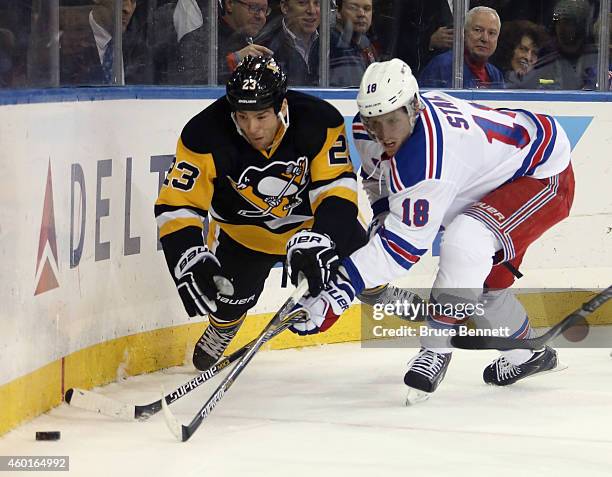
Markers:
313,255
198,279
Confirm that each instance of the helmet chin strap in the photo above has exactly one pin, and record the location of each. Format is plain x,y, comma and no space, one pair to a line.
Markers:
284,119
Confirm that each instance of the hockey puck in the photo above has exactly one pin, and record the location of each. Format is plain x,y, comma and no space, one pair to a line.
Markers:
577,332
68,395
47,435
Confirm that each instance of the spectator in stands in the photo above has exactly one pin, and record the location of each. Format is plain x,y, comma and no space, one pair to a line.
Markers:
239,23
482,27
596,30
572,64
7,46
89,58
422,29
296,42
518,50
351,51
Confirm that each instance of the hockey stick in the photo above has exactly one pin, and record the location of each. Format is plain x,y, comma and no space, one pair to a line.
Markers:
92,401
182,432
505,343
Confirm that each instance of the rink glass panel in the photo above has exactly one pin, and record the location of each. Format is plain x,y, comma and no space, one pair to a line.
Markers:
176,43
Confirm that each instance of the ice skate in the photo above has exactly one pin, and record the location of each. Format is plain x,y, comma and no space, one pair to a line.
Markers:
425,372
212,344
502,372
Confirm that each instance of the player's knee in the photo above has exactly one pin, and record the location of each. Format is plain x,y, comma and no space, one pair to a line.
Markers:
466,254
468,238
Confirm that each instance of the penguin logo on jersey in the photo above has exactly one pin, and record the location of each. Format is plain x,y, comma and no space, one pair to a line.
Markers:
274,189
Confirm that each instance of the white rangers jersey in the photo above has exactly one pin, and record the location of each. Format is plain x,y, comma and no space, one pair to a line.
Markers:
459,151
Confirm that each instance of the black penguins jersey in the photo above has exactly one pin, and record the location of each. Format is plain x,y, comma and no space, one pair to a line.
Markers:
260,198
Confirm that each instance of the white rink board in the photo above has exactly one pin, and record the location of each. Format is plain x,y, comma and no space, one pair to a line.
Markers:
101,144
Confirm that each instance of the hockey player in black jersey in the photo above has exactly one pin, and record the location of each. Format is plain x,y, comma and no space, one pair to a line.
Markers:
270,168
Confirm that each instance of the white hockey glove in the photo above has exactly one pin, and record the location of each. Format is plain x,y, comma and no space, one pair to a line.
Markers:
313,255
198,280
325,309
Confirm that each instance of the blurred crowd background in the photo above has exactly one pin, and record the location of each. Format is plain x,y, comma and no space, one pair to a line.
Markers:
505,44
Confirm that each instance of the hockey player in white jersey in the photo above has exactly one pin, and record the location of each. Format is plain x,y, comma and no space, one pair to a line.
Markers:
495,180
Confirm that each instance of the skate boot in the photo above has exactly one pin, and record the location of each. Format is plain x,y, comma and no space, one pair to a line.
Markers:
425,372
407,300
216,338
502,372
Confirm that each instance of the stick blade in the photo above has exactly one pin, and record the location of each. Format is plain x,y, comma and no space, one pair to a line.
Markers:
99,403
171,421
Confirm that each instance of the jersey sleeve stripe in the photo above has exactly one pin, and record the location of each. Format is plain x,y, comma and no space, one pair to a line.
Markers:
178,214
345,188
433,142
161,208
344,175
179,224
399,249
397,255
551,128
339,192
545,137
354,275
402,242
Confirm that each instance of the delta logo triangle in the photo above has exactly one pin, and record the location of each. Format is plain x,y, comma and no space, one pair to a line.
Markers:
46,262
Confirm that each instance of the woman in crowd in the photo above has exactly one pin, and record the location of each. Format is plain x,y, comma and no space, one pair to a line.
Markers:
518,50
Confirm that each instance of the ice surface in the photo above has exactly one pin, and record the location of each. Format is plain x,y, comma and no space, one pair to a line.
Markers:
338,410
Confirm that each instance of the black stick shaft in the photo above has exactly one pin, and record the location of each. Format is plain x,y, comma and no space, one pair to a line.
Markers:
275,323
506,343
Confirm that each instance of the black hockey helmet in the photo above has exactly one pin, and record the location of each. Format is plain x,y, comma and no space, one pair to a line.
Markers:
257,83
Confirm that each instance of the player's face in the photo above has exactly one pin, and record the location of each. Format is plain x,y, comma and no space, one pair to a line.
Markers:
358,14
525,56
259,127
481,36
249,16
302,16
391,129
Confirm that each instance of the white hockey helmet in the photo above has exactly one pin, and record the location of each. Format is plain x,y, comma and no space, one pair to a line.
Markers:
385,87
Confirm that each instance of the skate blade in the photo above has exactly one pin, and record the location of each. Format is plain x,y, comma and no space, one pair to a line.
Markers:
416,396
560,367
